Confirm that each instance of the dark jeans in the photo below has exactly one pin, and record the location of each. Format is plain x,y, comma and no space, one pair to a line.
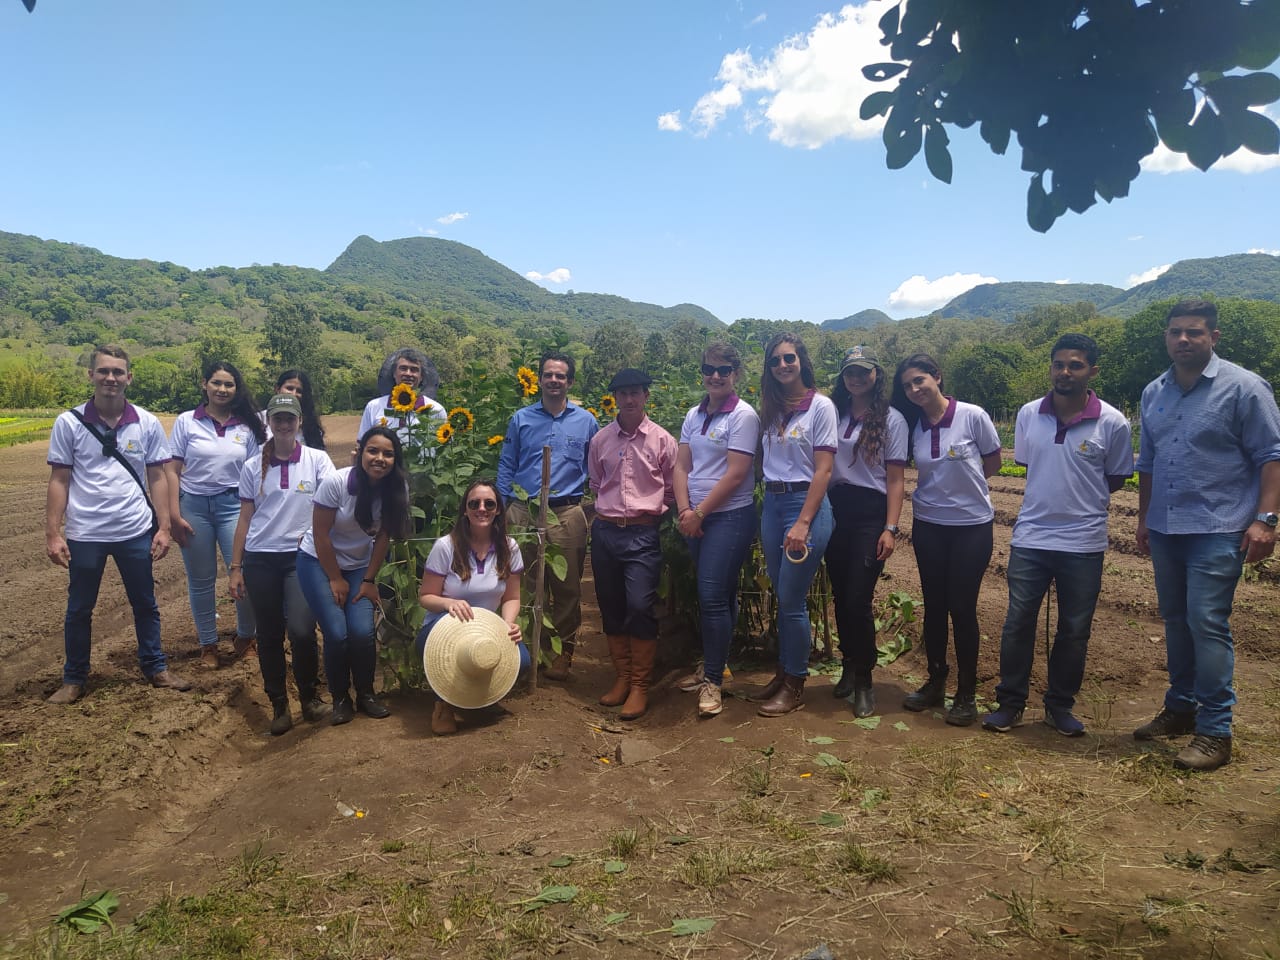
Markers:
952,561
1078,577
854,570
88,561
350,637
718,556
279,608
626,563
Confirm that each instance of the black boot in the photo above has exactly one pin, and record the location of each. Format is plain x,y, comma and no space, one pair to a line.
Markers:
313,708
929,695
864,697
844,686
371,706
964,708
343,710
281,721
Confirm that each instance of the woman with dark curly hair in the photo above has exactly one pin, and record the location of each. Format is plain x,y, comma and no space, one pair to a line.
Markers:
866,498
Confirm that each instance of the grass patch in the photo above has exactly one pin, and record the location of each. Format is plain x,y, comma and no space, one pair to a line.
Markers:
853,857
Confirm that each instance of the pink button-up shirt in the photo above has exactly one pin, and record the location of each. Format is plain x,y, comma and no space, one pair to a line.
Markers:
631,473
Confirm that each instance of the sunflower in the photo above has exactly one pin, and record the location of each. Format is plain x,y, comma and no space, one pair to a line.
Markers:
528,381
496,439
403,398
464,421
594,412
608,405
445,433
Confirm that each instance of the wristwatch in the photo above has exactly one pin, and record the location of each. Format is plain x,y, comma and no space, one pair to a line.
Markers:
1270,519
892,528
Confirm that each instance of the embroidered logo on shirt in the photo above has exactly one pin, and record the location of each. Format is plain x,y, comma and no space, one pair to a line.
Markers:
1090,450
305,486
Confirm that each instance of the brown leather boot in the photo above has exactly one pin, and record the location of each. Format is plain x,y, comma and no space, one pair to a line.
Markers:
620,651
642,656
770,689
790,697
559,669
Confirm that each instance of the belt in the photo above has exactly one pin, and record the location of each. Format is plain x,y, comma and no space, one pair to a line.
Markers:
786,486
647,520
564,501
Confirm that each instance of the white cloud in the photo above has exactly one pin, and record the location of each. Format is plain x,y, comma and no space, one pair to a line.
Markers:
917,293
451,218
809,87
1146,276
1272,253
670,121
1164,160
558,275
758,19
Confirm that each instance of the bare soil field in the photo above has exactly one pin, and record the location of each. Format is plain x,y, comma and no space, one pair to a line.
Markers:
547,827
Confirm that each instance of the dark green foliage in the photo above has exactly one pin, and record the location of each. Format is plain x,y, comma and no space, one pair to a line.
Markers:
860,320
1088,89
1252,276
1007,300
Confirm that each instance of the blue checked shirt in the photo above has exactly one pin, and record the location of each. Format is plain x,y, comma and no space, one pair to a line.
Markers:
568,436
1205,448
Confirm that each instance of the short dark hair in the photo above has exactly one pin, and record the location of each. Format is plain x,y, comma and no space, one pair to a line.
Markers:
1194,308
1077,341
724,352
559,356
109,350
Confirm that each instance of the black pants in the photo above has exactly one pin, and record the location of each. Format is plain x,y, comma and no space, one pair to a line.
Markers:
279,607
626,563
854,570
952,561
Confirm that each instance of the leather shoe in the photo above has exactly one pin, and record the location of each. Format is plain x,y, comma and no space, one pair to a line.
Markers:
67,693
443,720
281,721
371,706
844,686
243,647
864,699
343,712
314,709
168,680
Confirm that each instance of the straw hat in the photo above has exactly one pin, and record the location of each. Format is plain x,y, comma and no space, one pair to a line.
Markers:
471,663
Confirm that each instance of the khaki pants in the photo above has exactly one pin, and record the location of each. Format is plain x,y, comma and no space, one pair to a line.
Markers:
564,597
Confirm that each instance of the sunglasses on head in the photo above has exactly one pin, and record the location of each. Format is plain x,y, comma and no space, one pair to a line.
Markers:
476,503
109,442
780,358
724,370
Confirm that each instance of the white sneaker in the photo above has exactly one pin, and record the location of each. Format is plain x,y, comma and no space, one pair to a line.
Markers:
694,681
709,704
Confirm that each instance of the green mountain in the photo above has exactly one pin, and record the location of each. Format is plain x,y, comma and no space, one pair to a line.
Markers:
1250,276
446,275
862,320
1004,301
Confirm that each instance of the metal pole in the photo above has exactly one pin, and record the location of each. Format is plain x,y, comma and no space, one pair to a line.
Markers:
540,569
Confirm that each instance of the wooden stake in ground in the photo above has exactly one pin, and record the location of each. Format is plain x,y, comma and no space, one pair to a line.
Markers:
539,569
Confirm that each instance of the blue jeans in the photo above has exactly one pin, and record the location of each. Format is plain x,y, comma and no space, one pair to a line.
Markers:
791,581
718,556
1078,577
420,642
88,561
1196,577
213,522
271,580
350,638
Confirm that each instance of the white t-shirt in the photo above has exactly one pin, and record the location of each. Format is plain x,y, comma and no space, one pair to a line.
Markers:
376,415
484,589
711,436
851,466
950,487
1067,495
211,455
282,500
352,544
104,503
788,455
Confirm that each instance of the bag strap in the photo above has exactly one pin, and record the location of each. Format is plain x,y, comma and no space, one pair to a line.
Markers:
124,462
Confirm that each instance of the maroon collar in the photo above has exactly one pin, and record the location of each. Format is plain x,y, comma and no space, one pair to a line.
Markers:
293,457
943,421
202,413
130,414
730,403
1092,409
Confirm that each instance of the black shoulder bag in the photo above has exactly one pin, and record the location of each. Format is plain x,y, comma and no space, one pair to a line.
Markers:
109,449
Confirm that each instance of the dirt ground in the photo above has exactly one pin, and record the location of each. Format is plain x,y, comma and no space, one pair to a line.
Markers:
909,839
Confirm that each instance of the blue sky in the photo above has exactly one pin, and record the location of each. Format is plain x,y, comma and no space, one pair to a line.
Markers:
706,152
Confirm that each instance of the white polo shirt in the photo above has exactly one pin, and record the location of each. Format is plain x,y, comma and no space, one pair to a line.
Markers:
484,589
1068,466
211,454
950,487
104,503
810,427
282,499
711,435
378,413
352,544
851,466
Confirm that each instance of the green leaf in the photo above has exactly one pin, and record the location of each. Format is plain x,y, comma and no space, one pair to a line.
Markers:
614,866
878,72
728,740
678,839
821,741
876,104
684,928
872,797
901,726
612,918
561,861
549,895
996,135
1040,214
889,23
902,136
1204,138
829,819
827,760
936,154
1258,133
867,723
91,913
559,566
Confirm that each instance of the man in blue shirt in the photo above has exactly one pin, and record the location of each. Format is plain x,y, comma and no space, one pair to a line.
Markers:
1208,492
567,429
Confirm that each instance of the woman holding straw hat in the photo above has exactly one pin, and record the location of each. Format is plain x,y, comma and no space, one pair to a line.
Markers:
472,569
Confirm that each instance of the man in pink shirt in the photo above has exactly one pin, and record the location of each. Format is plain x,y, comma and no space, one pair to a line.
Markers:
630,463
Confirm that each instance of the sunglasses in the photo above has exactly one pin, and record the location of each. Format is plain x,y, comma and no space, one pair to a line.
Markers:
109,442
780,358
477,503
724,371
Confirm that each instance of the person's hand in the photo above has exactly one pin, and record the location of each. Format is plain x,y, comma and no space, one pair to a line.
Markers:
235,584
58,551
1258,542
368,591
339,588
885,546
1144,539
690,524
160,544
797,539
459,609
513,631
181,531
